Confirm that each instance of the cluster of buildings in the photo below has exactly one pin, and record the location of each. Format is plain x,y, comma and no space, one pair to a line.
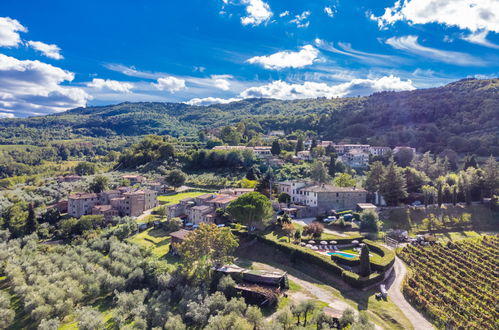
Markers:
202,209
311,199
123,201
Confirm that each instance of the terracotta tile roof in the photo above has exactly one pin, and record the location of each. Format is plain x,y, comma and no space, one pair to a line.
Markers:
83,196
181,234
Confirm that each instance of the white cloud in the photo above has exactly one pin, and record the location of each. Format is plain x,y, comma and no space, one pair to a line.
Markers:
284,13
347,50
329,11
301,20
6,115
473,15
210,100
480,38
9,32
286,59
257,11
283,90
410,44
170,84
286,91
113,85
34,87
52,51
221,81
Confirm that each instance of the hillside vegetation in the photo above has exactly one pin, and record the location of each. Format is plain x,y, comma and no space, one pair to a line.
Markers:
462,116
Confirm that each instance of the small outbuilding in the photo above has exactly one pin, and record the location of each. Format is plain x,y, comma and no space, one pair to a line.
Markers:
366,206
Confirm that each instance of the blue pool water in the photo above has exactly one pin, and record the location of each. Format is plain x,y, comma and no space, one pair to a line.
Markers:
343,254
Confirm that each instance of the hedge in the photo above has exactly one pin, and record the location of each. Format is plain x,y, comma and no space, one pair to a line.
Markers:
338,240
346,261
357,281
386,257
296,252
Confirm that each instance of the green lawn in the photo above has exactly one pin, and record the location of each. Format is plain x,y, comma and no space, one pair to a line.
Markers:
455,236
174,199
157,240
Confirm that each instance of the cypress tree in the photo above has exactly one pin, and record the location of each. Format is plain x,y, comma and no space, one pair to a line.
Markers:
332,166
365,265
276,148
31,222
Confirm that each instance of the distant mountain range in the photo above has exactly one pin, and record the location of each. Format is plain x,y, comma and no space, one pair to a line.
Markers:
462,116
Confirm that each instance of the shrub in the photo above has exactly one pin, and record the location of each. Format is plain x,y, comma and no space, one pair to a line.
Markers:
314,229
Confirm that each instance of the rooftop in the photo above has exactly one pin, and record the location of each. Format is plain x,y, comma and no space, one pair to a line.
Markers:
181,234
330,188
82,196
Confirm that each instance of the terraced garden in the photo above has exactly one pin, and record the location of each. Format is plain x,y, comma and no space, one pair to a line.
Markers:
455,284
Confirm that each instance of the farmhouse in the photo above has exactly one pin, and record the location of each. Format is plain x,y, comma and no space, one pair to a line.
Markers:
322,198
200,209
110,203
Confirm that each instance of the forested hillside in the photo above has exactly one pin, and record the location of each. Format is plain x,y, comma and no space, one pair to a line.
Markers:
463,116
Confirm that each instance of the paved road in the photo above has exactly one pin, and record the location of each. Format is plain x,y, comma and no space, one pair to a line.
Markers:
394,285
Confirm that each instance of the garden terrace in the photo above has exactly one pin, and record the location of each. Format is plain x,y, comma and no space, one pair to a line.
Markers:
381,260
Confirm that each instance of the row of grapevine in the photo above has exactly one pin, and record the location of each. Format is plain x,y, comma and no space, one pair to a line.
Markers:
455,284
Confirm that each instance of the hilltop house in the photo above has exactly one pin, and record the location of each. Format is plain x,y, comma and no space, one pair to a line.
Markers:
321,198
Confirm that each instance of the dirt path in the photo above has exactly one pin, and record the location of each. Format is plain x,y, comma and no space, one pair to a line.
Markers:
394,285
312,291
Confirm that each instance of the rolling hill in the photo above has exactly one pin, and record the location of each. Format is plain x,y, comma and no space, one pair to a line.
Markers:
463,116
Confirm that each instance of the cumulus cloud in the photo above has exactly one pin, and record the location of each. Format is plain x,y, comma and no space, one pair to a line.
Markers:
221,81
170,84
284,13
480,38
410,44
283,90
51,51
257,12
211,100
34,87
286,59
473,15
6,115
113,85
301,20
9,32
329,11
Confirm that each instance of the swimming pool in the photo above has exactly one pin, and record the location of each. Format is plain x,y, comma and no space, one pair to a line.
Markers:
343,254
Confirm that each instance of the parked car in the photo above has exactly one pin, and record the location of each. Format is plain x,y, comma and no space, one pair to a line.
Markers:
329,219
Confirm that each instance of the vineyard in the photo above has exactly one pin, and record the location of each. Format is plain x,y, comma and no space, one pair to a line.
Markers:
455,285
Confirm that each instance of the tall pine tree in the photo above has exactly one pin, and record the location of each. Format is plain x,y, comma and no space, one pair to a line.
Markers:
393,187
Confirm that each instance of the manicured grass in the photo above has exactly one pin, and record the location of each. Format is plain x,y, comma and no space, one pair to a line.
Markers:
174,199
157,240
456,236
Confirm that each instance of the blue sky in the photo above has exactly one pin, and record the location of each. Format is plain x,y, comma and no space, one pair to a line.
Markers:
56,55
